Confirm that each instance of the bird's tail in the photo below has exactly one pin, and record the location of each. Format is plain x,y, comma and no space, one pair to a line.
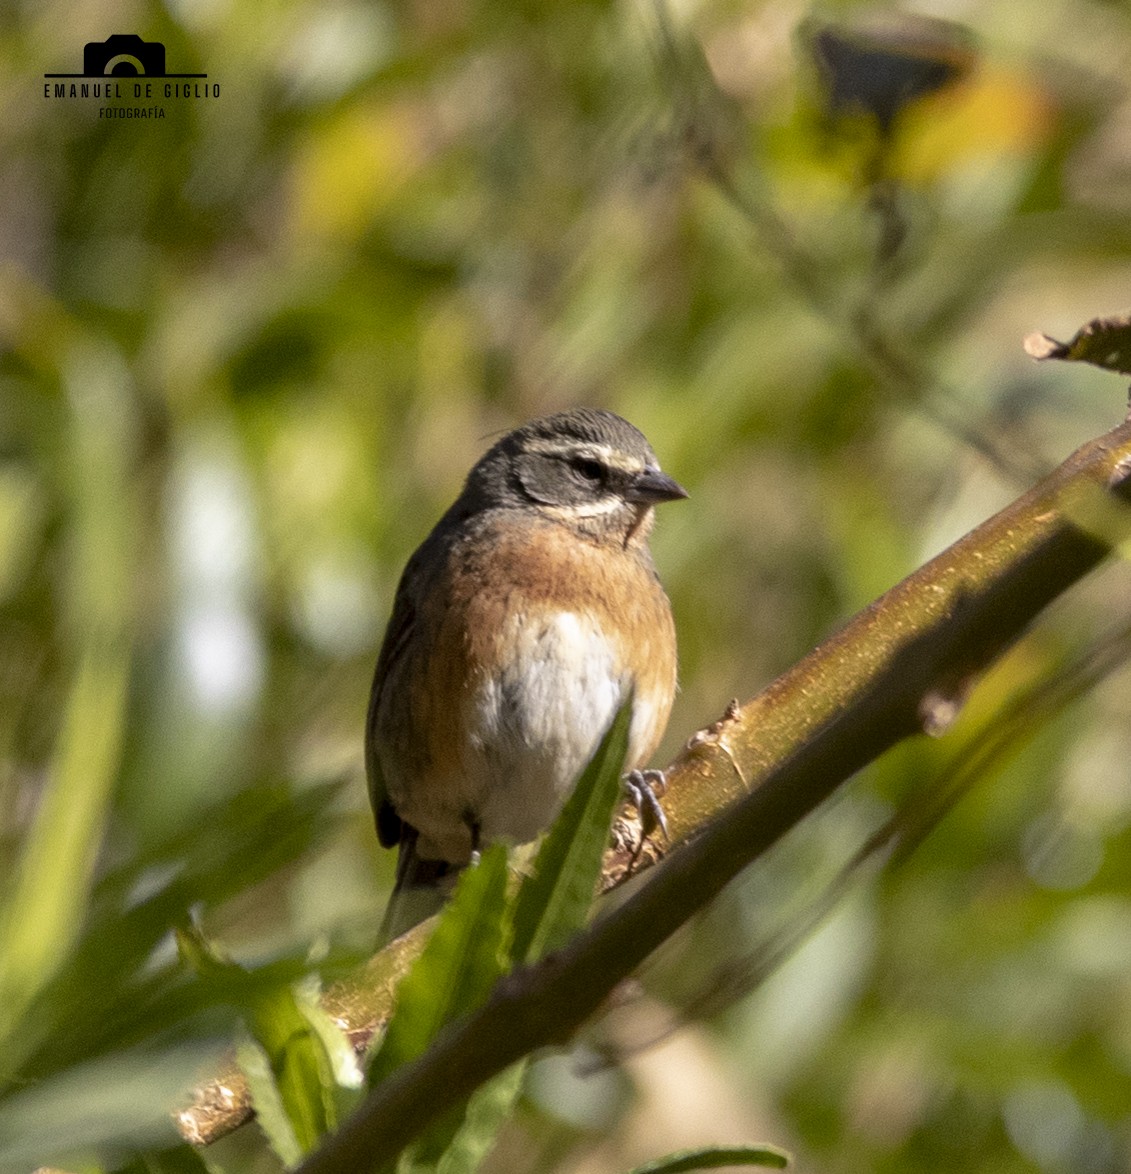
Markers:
421,888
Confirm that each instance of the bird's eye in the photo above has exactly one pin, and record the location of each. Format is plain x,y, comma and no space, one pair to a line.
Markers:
589,469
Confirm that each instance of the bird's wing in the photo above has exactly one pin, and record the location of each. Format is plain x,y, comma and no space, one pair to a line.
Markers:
397,637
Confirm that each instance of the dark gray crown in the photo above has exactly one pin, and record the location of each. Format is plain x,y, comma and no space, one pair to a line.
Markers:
592,425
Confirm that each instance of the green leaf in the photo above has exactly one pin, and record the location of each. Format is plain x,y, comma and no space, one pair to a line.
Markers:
554,902
270,1111
713,1157
487,1112
42,918
335,1042
464,957
457,969
299,1062
459,1143
290,1070
106,996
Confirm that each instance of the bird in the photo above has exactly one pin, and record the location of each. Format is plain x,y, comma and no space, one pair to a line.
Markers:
523,622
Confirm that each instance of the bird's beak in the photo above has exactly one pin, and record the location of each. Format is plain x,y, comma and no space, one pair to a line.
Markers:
652,486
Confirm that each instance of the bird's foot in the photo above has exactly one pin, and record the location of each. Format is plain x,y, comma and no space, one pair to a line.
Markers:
645,788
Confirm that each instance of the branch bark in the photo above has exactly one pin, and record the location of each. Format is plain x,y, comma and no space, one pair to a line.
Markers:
901,666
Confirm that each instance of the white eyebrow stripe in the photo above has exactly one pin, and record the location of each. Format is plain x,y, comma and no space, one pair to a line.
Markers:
607,504
609,457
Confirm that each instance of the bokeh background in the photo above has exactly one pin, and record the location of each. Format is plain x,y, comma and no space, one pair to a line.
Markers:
250,350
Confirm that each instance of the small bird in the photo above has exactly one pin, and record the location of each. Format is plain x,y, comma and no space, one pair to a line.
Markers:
520,626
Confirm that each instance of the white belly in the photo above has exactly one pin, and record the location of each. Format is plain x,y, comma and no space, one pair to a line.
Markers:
539,721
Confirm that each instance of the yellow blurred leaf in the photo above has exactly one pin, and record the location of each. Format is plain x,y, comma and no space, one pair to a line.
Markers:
351,166
993,111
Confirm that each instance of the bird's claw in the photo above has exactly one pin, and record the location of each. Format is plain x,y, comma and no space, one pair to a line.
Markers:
645,788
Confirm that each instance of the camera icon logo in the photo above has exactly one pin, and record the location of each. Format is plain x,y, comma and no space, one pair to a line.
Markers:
123,55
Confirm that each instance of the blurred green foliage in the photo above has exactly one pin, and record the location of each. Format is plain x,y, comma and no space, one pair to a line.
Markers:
249,351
